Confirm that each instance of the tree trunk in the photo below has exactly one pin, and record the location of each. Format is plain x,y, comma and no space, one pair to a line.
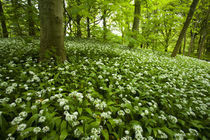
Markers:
79,32
88,27
184,46
64,13
78,20
31,27
201,45
184,29
191,47
104,25
3,23
52,33
136,22
17,28
180,49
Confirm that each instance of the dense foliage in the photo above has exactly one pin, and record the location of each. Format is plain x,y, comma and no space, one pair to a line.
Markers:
111,20
103,91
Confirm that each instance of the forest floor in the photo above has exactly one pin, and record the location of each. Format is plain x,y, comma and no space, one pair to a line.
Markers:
103,91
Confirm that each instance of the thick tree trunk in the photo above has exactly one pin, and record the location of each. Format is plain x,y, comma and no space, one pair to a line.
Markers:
184,29
104,25
136,22
31,24
3,22
52,33
88,27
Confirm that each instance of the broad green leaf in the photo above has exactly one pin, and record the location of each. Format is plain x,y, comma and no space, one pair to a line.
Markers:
63,135
105,134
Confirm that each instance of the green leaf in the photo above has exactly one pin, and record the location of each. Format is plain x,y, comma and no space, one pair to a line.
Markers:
32,119
168,131
63,125
105,134
79,110
89,111
63,135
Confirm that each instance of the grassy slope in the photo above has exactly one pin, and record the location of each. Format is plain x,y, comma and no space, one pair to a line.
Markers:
161,94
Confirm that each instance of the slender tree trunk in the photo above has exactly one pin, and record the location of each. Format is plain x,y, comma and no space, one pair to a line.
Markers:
64,13
180,49
79,32
52,32
78,20
88,27
184,29
104,25
3,22
191,47
184,46
201,45
31,24
16,23
136,22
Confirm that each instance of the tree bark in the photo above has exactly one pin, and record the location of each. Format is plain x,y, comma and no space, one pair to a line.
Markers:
52,32
3,22
184,46
31,24
203,35
64,13
78,20
104,25
192,40
136,22
184,29
88,27
16,23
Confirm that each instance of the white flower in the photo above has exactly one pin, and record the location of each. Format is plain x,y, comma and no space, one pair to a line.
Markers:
193,132
75,123
42,119
33,107
23,114
45,129
16,120
106,115
37,130
28,98
18,100
100,77
66,107
121,113
21,127
12,105
45,101
127,132
138,128
173,119
41,112
77,133
127,111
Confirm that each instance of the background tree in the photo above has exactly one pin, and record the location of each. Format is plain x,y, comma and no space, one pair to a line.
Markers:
52,35
3,22
184,29
136,22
